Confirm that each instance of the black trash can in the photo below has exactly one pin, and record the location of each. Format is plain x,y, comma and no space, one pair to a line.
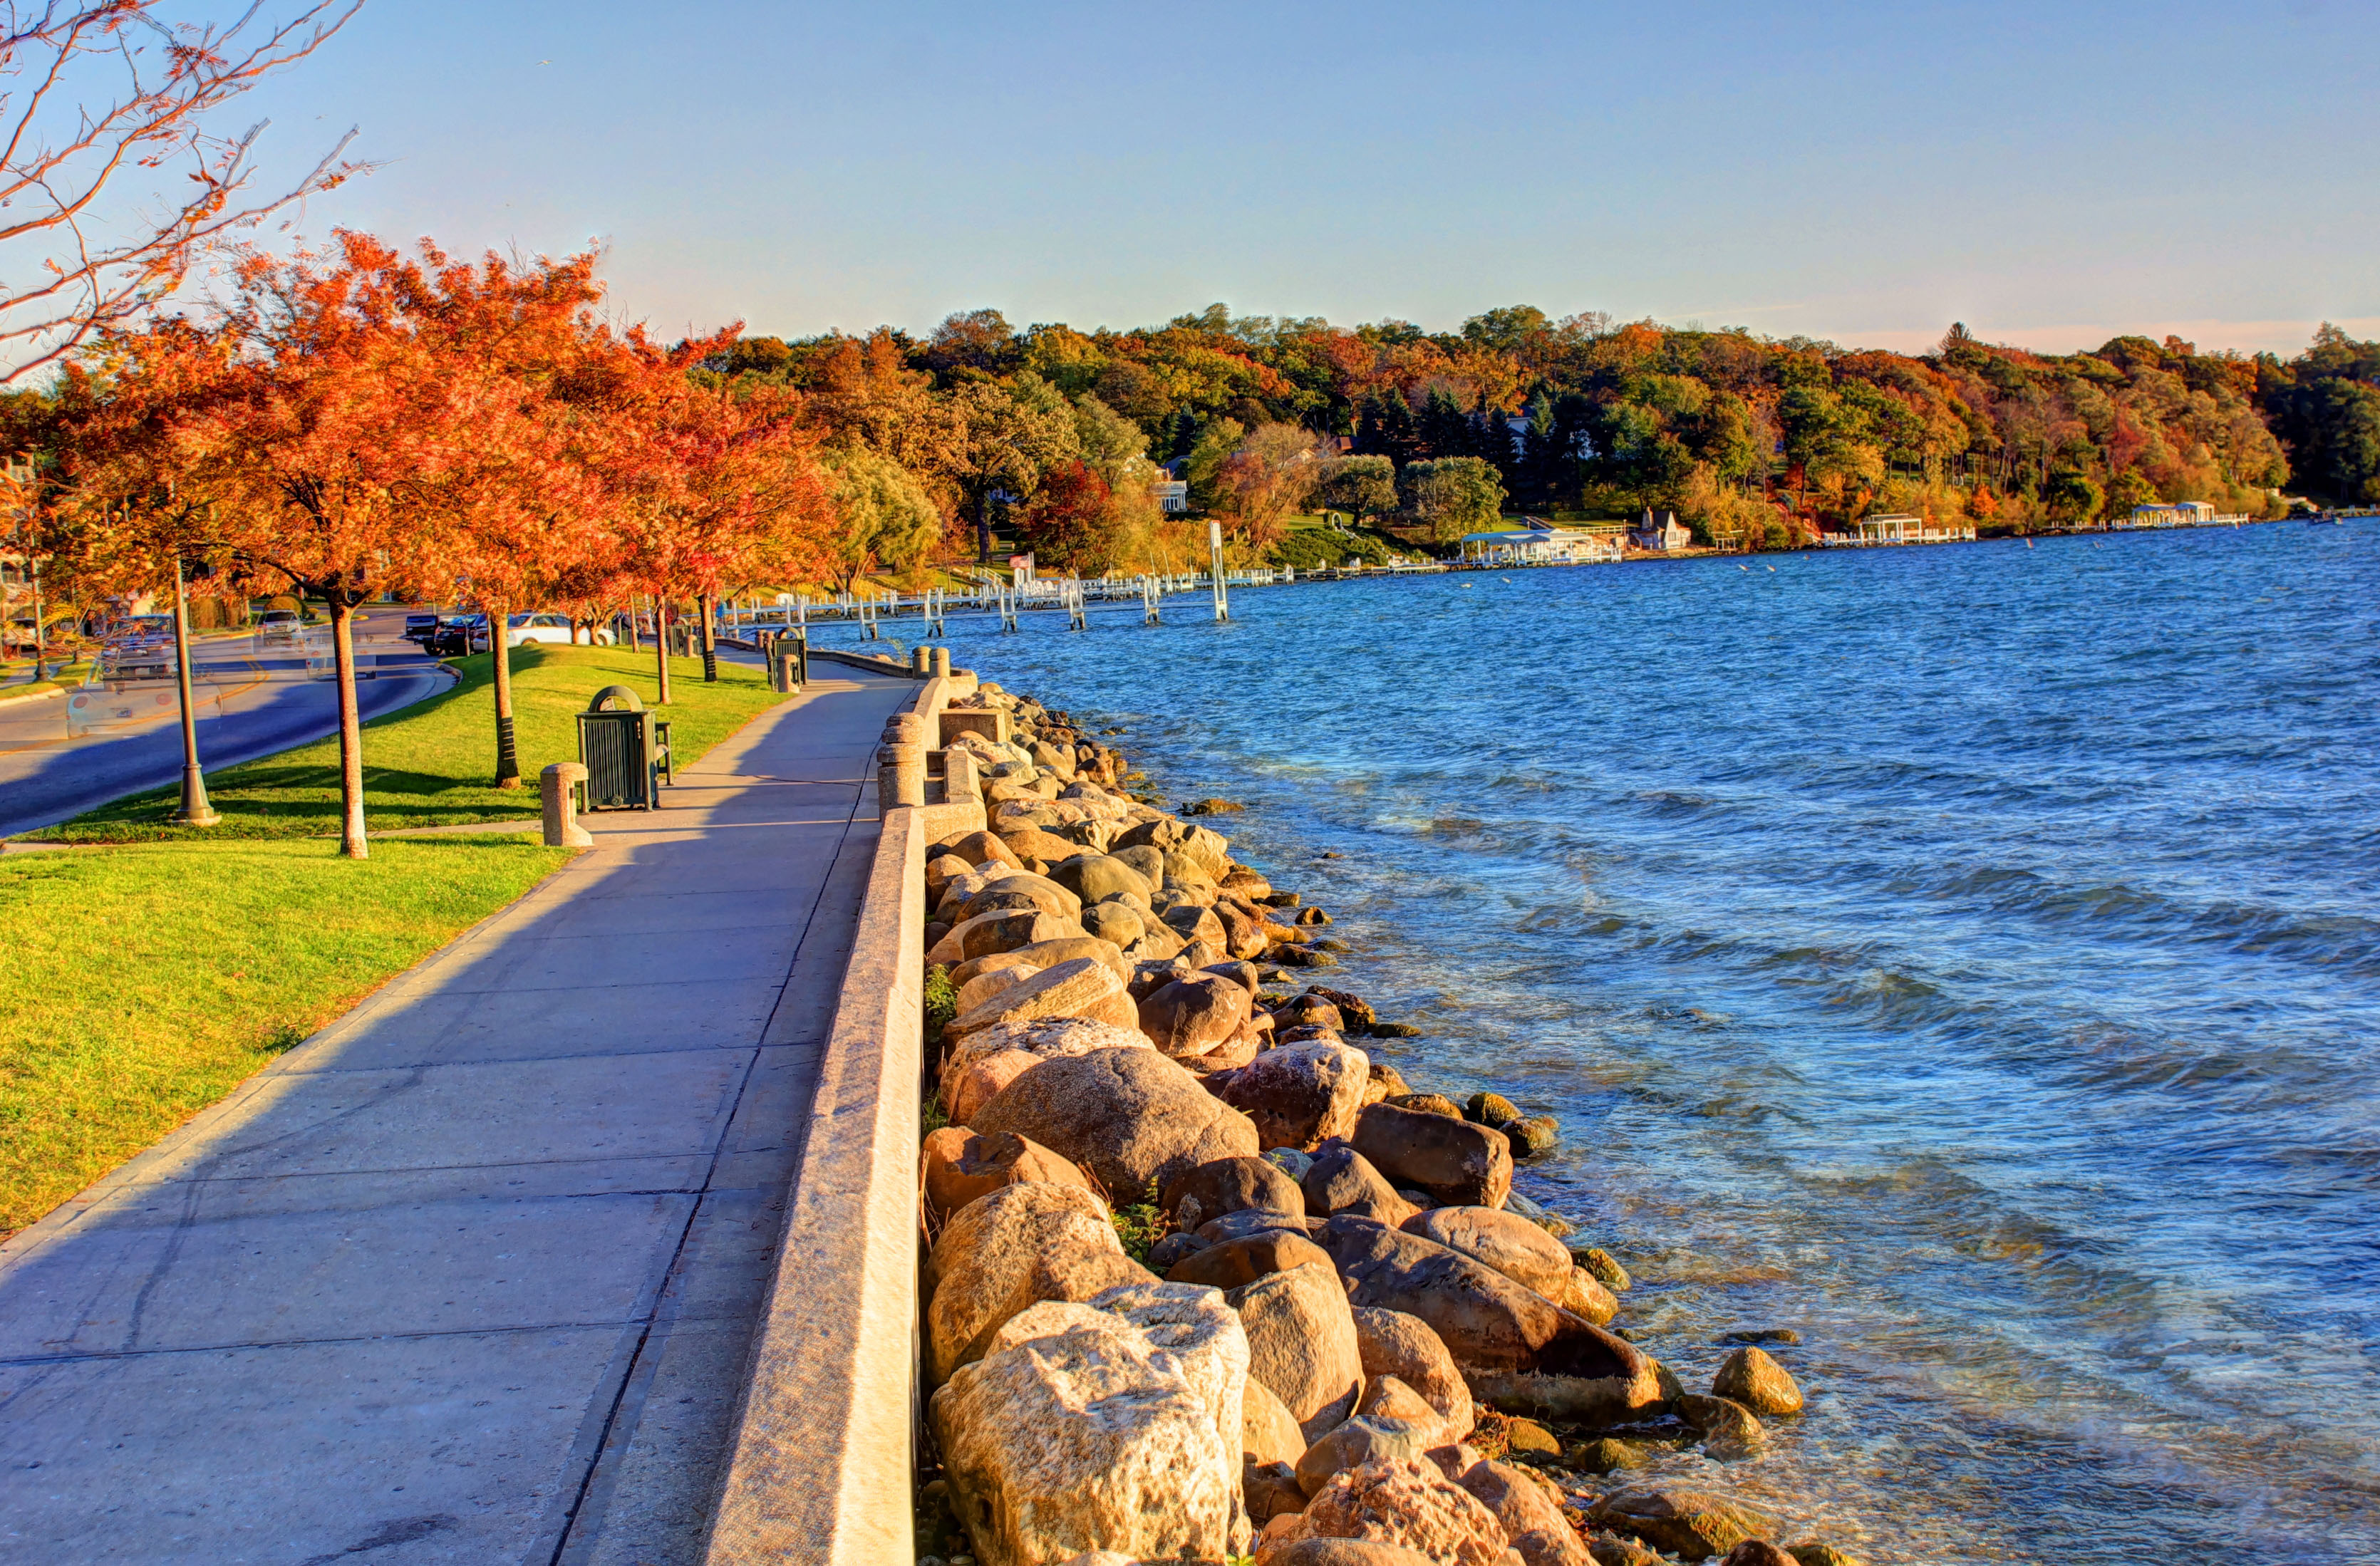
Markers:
626,751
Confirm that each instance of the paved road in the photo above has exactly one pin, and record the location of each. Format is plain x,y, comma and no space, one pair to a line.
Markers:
248,707
471,1276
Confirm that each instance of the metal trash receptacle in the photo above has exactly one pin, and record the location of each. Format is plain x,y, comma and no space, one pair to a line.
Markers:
626,751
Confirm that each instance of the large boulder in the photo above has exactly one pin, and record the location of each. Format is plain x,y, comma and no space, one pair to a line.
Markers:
1034,846
1458,1163
1688,1524
1095,878
1043,1038
1003,930
984,986
1038,892
1301,1095
1194,1015
1341,1180
1146,861
1525,1507
1131,1117
1236,1262
1405,1502
1486,1320
1361,1440
1015,1247
981,1080
1392,1343
1758,1383
1210,851
1269,1431
981,847
1197,925
1065,949
1301,1343
1092,1438
959,1167
1083,987
1507,1242
1230,1186
1118,923
1243,933
1309,1551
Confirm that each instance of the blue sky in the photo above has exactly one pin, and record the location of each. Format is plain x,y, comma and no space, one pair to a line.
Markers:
2050,174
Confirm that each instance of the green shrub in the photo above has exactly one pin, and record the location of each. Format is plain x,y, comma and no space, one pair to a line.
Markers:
1140,1225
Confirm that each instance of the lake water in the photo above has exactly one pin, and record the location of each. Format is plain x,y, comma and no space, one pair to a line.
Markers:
1968,958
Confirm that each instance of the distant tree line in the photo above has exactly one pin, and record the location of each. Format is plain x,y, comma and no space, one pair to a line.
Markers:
1753,440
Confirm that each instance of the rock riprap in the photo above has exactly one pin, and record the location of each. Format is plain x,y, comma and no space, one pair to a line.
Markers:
1206,1279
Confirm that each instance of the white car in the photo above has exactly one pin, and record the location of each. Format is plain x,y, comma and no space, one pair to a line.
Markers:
522,629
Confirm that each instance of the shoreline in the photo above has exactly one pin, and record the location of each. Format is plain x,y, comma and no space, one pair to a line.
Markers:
1155,1149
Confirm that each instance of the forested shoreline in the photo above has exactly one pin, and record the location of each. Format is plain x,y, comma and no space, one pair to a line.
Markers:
1754,442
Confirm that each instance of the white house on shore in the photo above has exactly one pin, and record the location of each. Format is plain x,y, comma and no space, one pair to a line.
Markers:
1896,527
1660,531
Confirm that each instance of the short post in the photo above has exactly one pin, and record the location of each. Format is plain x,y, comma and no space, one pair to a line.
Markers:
942,668
920,662
558,784
901,762
960,783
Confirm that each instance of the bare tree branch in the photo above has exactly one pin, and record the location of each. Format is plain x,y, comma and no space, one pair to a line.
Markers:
56,163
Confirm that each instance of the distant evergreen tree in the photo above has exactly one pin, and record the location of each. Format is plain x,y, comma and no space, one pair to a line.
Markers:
1386,429
1444,429
1491,441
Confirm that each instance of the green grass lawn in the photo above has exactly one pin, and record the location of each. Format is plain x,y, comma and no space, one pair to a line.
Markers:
429,765
143,980
145,983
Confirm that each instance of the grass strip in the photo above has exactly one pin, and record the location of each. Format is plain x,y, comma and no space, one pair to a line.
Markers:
429,765
146,982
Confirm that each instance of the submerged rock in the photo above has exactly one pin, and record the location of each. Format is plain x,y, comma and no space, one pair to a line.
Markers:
1692,1524
1758,1383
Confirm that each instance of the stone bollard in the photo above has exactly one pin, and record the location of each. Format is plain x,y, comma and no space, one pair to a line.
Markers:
920,660
558,783
960,783
942,663
900,776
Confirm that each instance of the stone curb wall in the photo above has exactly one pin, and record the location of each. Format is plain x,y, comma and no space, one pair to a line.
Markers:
822,1462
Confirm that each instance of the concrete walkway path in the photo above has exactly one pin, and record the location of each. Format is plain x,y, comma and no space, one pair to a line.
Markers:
471,1276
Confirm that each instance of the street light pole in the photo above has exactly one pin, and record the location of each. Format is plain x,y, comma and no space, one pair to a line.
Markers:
195,810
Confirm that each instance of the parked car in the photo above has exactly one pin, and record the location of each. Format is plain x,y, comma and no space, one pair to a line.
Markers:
553,630
458,636
279,625
419,628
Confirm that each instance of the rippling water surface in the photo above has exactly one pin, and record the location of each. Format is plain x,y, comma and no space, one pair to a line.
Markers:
1969,957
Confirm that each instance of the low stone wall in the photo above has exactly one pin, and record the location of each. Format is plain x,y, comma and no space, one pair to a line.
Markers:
822,1462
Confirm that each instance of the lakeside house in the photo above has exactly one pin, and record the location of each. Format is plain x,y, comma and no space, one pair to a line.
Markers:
1660,533
1538,543
1173,494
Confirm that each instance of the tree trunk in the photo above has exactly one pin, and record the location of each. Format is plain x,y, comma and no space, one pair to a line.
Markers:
983,530
499,654
708,607
352,844
661,648
635,630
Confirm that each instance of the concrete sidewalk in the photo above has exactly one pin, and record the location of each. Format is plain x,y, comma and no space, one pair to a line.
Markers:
471,1276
